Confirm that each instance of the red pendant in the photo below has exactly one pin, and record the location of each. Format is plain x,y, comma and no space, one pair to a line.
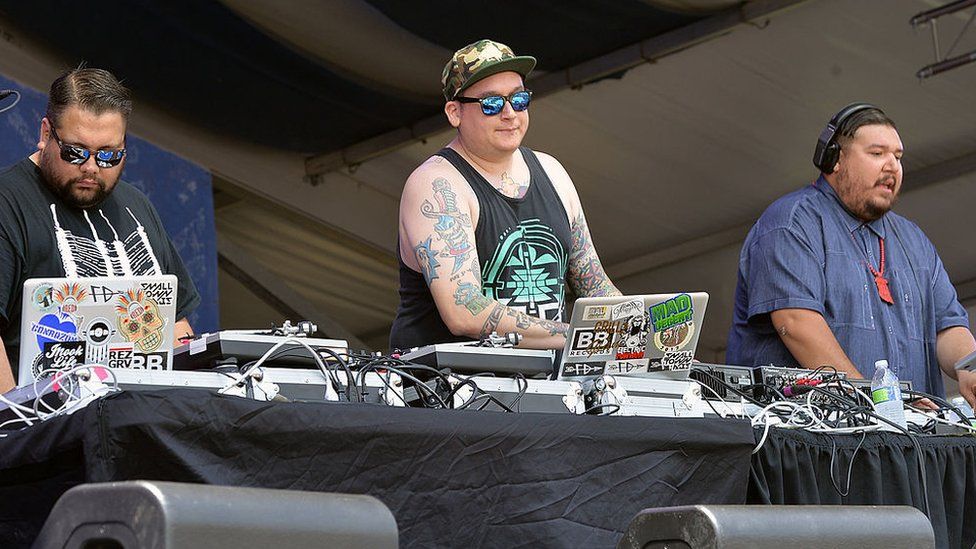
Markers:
883,290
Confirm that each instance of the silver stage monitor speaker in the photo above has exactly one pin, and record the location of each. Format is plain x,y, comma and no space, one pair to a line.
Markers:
778,526
170,515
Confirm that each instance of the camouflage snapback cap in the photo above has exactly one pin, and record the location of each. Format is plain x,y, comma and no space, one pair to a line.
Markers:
479,60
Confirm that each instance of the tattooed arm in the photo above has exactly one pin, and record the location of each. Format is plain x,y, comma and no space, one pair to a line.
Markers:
585,274
437,240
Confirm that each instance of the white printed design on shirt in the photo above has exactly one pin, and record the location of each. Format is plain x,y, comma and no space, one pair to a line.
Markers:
84,257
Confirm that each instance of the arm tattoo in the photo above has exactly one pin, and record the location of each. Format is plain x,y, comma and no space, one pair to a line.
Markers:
522,320
427,259
450,222
586,276
470,296
555,328
491,323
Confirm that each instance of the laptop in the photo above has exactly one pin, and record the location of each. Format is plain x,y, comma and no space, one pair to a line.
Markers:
119,322
639,335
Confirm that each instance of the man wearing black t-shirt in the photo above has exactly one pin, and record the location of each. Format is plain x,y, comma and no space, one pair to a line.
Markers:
491,233
65,212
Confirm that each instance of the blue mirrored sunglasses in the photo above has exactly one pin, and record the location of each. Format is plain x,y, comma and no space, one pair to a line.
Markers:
73,154
493,104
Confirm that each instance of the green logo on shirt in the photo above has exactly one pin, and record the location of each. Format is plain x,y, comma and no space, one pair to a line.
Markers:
528,270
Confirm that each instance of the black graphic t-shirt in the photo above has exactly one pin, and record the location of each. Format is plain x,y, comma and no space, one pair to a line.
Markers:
523,250
41,236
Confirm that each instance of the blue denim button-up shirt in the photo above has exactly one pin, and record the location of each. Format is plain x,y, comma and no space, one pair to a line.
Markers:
808,251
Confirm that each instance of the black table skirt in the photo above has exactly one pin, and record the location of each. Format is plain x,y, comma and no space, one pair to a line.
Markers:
451,478
794,467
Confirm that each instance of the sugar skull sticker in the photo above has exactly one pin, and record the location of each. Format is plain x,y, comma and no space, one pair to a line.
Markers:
139,320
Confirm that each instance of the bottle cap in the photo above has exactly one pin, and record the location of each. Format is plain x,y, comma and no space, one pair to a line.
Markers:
881,364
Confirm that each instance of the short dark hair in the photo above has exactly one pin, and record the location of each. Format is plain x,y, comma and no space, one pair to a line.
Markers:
95,90
868,117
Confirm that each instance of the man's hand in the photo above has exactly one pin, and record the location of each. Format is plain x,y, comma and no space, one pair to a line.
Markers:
967,386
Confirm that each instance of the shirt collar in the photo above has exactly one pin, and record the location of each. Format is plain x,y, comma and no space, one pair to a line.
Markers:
852,222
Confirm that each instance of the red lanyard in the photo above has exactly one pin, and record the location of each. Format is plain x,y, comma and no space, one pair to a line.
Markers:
879,280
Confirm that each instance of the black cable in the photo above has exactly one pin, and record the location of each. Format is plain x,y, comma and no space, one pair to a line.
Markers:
616,408
732,388
850,468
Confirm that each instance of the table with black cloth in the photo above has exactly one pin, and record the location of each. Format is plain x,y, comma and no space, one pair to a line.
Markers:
794,467
450,477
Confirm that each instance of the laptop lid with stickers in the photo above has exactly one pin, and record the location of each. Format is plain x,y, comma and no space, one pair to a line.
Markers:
120,322
643,335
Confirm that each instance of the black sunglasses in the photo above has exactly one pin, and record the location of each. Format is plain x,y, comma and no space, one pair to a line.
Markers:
73,154
493,104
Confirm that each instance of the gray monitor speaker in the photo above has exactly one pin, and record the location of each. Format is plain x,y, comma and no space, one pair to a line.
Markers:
170,515
779,526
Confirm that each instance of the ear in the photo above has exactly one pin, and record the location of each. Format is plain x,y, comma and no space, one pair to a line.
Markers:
45,134
453,111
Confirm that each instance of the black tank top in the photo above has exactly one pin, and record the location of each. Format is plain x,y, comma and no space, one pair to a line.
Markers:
523,249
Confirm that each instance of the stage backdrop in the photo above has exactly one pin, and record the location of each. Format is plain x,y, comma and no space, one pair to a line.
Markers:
180,191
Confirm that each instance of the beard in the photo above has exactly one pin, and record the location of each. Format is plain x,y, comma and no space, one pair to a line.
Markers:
861,202
67,189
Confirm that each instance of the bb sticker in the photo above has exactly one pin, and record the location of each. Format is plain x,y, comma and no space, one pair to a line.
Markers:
139,321
149,361
591,343
596,312
119,355
583,369
43,298
627,366
62,355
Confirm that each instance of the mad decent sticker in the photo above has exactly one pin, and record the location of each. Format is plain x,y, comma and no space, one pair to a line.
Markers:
673,324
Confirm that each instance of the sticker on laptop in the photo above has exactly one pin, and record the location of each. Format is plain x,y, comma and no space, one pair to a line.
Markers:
163,293
119,355
97,334
627,308
675,338
68,297
591,343
139,321
631,339
622,367
51,327
676,360
62,355
671,312
596,312
583,369
43,298
149,361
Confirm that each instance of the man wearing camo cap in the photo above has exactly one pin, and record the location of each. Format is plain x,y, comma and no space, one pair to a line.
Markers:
492,234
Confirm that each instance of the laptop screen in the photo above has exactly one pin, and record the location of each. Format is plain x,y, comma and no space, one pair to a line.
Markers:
643,335
120,322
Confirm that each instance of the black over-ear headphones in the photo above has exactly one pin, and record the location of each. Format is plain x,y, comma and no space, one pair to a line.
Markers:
828,150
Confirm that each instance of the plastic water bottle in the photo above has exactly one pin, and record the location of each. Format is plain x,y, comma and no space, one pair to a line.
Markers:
886,395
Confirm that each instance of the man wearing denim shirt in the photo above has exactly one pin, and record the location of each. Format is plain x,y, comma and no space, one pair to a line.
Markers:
829,276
